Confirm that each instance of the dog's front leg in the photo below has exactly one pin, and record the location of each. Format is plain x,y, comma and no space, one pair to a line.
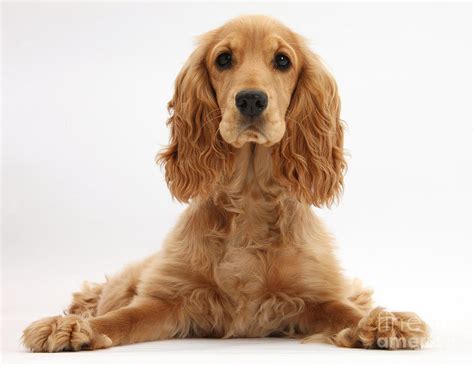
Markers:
145,319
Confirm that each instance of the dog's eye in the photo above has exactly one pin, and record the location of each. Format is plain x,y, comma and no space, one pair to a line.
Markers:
224,60
281,61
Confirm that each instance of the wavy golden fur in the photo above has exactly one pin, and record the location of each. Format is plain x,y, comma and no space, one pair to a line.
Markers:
256,139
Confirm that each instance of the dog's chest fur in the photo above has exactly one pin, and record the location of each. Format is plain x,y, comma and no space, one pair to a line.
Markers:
260,288
259,273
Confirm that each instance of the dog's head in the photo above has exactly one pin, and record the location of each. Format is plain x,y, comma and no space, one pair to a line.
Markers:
254,80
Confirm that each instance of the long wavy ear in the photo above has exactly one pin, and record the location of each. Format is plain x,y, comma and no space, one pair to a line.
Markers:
310,158
196,156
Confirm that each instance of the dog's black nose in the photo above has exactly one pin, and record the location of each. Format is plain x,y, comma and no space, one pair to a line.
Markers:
251,103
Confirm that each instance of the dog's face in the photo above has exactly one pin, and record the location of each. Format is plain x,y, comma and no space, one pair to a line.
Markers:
253,80
253,72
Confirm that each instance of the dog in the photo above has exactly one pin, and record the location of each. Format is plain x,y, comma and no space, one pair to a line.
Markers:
256,140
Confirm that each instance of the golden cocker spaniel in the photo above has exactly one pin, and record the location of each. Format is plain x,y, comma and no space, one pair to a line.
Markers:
256,139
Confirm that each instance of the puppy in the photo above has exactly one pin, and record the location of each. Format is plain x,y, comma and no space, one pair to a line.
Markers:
256,140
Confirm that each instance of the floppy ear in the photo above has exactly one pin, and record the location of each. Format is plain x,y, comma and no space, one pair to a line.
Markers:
310,158
195,158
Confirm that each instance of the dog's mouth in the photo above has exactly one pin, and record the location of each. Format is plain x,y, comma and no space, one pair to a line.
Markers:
251,132
259,130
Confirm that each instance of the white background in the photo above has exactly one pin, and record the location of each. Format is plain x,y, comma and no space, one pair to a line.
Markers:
85,87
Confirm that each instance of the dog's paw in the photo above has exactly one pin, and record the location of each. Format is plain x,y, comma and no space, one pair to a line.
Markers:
63,333
385,330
